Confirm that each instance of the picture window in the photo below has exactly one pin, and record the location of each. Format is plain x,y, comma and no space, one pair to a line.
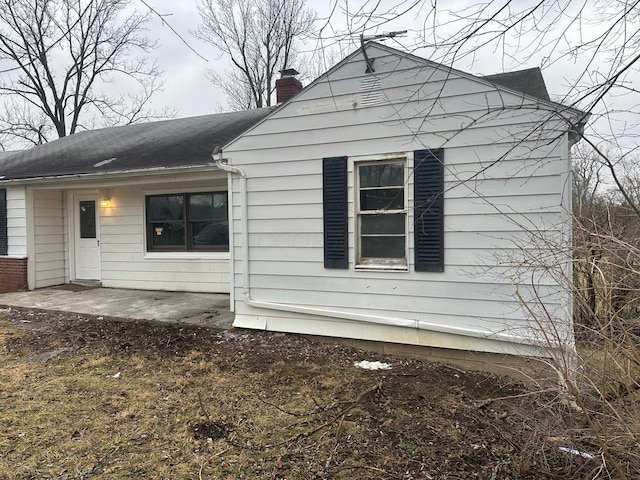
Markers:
187,222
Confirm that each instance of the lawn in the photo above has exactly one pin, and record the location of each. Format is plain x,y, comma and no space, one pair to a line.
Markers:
88,397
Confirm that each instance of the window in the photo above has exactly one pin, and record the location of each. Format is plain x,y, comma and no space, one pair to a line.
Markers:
382,215
189,221
88,219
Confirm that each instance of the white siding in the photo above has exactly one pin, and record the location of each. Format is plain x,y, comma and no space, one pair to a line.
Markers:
16,221
503,208
68,243
125,262
48,255
46,234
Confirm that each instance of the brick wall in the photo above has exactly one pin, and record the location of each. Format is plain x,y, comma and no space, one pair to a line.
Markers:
13,274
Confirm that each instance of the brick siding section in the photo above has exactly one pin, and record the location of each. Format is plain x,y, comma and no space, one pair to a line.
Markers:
13,275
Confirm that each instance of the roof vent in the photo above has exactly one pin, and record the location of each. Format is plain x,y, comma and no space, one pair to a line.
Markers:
104,162
371,92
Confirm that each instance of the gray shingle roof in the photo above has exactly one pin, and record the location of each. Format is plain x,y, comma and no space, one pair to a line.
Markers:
529,81
171,143
163,144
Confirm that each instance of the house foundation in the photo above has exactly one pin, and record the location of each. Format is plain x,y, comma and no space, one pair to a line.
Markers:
529,370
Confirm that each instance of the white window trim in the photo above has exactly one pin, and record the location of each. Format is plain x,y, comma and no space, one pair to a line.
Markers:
396,265
190,254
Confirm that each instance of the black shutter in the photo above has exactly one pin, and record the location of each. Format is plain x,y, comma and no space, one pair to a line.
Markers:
429,210
334,201
4,246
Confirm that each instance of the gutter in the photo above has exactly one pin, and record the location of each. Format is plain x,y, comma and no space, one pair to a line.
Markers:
329,313
100,175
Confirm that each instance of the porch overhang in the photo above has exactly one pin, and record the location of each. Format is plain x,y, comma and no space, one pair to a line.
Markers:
123,177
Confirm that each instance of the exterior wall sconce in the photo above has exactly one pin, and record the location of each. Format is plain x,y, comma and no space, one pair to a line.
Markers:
105,201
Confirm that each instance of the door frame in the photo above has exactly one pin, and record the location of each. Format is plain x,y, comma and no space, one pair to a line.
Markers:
72,198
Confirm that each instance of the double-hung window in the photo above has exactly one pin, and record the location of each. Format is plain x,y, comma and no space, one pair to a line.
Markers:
381,212
187,221
382,215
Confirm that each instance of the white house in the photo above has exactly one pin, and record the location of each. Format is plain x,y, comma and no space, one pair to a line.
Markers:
392,200
397,200
139,206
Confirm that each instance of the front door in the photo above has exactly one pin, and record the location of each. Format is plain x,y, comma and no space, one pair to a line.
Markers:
87,243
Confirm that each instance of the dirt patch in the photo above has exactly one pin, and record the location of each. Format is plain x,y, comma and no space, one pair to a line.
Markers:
91,397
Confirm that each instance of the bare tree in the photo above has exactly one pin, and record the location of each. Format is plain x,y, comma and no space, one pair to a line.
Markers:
59,59
260,37
590,218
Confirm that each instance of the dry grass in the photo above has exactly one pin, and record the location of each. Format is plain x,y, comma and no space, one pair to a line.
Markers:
194,403
70,416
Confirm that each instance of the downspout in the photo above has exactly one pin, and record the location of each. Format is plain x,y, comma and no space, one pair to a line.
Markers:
243,214
324,312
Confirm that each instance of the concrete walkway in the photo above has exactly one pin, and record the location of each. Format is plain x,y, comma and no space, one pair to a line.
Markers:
204,309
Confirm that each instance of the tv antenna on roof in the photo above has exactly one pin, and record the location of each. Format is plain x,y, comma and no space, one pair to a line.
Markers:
379,36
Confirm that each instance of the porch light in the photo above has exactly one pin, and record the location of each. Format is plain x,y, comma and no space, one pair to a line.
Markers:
105,201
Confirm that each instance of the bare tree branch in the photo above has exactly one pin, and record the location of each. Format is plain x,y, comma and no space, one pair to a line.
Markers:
259,37
62,55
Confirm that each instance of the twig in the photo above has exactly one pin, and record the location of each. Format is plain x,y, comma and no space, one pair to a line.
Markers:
361,467
341,414
277,407
335,447
164,22
204,411
221,452
488,401
99,465
319,408
328,423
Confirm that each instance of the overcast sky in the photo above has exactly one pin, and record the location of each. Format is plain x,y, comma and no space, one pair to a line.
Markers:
186,86
189,91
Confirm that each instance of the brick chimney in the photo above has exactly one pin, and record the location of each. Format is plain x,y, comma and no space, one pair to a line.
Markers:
287,85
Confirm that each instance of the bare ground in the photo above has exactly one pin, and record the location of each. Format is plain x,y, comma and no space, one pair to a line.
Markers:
88,397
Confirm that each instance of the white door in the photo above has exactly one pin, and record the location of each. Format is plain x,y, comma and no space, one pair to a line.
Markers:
87,243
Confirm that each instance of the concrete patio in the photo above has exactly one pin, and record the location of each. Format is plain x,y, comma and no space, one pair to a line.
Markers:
203,309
